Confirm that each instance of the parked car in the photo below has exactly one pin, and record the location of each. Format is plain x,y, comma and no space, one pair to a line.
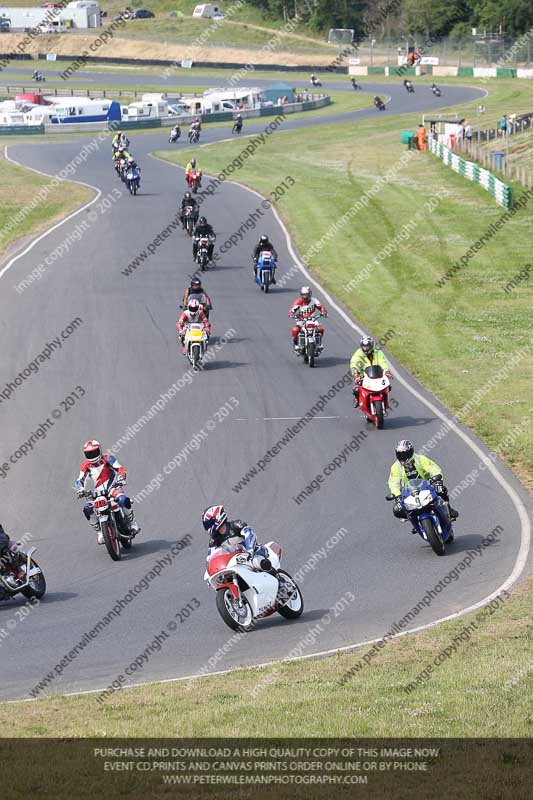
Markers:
141,13
5,26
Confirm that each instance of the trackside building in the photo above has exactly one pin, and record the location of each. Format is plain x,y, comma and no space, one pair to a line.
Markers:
71,15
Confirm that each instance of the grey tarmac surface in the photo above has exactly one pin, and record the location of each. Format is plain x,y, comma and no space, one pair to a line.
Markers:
125,356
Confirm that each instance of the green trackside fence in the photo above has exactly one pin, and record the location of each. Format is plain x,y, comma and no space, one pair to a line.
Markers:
18,130
154,122
502,193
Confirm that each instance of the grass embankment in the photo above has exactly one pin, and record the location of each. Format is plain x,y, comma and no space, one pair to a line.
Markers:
240,37
483,690
518,149
18,188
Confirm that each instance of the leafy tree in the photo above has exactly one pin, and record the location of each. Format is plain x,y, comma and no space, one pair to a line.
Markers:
433,17
516,14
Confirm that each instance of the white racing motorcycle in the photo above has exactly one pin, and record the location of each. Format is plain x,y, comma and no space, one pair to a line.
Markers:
245,591
195,341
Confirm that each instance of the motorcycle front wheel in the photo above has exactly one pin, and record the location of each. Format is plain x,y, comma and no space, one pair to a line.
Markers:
111,540
295,606
37,586
433,536
195,355
125,536
238,619
378,405
311,353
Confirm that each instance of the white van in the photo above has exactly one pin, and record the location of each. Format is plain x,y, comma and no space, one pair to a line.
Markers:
82,4
56,26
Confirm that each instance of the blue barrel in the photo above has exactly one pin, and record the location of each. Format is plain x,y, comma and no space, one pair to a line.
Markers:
497,159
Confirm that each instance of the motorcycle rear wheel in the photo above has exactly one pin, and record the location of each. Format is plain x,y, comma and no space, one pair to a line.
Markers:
37,586
229,613
111,541
433,536
294,608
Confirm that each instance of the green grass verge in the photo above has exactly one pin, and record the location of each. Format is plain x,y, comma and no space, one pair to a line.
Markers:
481,690
18,187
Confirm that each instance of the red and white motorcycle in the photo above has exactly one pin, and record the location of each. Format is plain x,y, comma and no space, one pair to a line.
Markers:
246,591
374,395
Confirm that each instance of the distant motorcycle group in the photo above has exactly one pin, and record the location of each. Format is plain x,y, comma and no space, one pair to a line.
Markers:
196,128
193,134
410,88
408,84
125,165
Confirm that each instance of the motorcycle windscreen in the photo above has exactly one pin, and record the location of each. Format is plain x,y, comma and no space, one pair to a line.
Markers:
374,371
414,485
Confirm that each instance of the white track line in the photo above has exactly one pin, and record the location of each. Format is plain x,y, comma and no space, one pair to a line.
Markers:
521,510
58,224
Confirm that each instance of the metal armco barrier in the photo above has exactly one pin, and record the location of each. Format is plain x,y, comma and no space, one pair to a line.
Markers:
502,193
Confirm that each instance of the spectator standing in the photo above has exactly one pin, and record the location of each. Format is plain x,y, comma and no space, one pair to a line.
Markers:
503,125
421,138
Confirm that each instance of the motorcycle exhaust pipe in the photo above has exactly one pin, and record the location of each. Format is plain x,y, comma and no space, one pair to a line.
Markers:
30,572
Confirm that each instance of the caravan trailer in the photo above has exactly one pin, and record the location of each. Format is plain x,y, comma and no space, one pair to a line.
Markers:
65,110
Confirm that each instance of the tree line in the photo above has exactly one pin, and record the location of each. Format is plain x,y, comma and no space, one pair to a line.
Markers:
432,18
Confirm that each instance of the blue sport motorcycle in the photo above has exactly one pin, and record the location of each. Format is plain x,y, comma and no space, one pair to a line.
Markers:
133,180
264,270
427,513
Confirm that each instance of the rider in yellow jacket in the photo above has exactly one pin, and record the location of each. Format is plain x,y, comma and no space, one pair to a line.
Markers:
410,465
122,152
366,356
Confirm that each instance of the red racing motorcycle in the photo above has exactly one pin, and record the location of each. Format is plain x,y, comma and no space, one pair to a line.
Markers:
374,395
194,179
